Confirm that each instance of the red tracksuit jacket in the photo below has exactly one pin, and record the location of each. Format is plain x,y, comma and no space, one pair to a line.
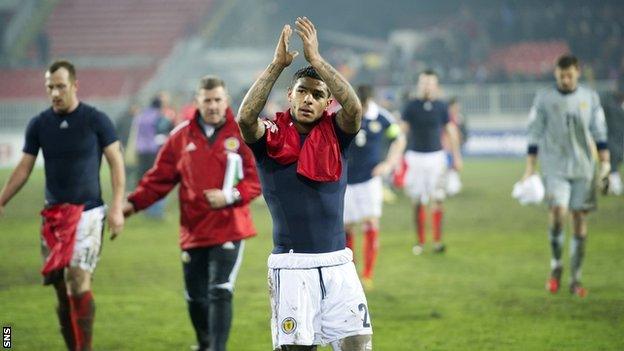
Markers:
188,158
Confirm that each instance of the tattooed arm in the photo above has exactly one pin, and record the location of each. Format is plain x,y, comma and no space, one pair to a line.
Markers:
253,103
349,117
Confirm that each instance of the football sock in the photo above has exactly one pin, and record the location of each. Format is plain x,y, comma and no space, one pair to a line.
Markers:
437,225
220,317
555,236
577,253
82,313
421,218
198,310
63,312
371,247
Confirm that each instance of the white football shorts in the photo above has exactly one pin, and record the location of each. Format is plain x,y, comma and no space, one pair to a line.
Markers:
363,200
316,299
89,234
425,177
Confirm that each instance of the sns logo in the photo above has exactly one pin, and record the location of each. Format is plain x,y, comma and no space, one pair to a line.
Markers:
6,337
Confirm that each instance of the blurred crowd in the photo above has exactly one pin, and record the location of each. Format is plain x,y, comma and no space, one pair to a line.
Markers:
460,45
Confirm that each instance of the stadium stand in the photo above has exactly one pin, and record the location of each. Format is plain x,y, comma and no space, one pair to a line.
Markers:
116,44
94,82
527,58
118,27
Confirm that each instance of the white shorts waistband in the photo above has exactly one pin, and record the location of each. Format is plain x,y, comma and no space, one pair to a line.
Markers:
307,260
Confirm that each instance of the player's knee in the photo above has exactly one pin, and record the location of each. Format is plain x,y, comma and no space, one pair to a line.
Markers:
196,303
438,198
579,216
220,293
557,218
558,212
557,226
438,204
77,280
195,296
371,224
354,343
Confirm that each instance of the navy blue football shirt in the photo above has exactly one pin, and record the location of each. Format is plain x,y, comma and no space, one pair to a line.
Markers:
426,120
368,146
72,146
307,215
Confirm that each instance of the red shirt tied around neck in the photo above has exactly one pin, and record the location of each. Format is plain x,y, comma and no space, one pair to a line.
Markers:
318,159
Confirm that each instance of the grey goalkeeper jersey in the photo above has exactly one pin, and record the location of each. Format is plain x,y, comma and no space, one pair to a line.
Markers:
566,127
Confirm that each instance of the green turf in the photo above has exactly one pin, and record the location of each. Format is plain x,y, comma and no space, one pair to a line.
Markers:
486,293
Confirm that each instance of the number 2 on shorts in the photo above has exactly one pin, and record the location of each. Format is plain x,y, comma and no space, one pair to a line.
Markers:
365,321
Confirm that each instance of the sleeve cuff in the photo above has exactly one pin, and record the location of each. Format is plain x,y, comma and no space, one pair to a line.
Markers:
232,196
136,202
601,145
30,151
532,149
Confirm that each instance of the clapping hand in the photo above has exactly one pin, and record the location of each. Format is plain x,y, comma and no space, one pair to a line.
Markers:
282,56
307,33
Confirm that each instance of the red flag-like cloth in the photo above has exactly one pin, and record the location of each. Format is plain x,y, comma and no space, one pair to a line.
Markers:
59,232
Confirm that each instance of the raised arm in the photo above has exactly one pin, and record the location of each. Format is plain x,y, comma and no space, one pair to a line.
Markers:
255,99
17,179
118,179
349,117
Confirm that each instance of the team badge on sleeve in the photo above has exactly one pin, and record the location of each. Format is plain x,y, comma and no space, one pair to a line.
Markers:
289,325
231,144
360,138
374,126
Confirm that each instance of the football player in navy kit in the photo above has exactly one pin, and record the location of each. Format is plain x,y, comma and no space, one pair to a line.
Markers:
316,296
426,118
367,166
73,136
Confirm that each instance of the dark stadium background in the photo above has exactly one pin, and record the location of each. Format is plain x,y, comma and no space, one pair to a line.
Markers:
486,293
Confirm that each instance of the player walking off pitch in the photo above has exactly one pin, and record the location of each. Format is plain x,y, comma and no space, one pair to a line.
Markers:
426,118
367,166
72,136
566,128
316,296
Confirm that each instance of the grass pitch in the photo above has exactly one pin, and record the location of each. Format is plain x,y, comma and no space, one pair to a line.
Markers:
485,293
